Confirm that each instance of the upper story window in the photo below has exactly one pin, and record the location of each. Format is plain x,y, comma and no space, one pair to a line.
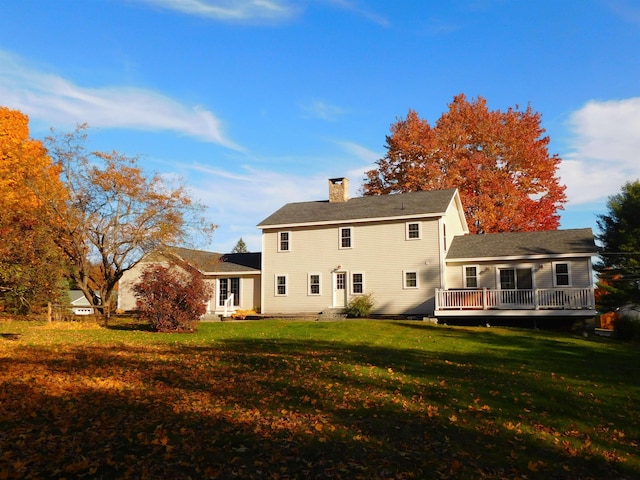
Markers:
346,237
413,231
284,241
561,274
314,284
357,283
470,276
444,236
281,285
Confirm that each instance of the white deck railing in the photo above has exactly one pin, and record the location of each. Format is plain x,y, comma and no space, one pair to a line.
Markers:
538,299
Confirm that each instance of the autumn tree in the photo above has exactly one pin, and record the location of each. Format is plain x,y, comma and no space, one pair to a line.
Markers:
240,247
172,298
31,267
115,214
498,160
619,265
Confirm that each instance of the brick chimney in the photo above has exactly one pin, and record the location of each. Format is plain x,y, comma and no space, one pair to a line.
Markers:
338,190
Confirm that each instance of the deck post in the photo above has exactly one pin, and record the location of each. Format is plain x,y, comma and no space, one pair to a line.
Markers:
484,298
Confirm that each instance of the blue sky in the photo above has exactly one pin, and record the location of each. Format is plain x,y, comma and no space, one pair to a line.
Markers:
256,103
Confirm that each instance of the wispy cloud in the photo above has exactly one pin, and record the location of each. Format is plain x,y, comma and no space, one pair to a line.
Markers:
229,10
59,102
257,11
322,110
363,153
354,7
604,150
626,10
256,194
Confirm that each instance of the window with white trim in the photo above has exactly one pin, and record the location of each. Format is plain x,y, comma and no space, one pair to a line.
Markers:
281,286
413,231
470,276
313,281
410,279
284,241
357,283
561,274
228,287
444,236
346,237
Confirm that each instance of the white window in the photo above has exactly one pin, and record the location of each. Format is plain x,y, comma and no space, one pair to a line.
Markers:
357,283
561,274
346,237
284,241
228,287
281,286
444,236
410,279
470,276
413,231
313,281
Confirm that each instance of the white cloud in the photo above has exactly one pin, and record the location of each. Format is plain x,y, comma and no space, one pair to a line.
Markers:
238,202
229,10
322,110
360,11
58,101
361,152
605,150
256,11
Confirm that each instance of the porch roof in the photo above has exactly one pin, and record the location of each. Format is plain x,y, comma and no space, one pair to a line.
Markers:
548,243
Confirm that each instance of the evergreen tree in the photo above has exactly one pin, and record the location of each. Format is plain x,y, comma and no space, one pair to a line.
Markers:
619,267
240,247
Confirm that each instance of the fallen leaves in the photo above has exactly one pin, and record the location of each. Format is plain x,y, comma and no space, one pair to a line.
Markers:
279,409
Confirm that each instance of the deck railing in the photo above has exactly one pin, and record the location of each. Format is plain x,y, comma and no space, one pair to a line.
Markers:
538,299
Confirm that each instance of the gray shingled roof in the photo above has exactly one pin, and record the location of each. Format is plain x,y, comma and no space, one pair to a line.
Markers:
376,206
217,262
523,244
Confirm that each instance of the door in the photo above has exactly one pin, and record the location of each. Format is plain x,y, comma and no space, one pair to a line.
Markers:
340,289
516,285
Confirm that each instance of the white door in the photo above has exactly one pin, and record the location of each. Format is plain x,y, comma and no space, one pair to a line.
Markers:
339,289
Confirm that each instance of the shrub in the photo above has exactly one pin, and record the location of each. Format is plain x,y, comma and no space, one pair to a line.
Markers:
359,306
627,328
171,299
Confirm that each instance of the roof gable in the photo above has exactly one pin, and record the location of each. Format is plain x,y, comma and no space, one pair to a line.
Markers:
374,207
523,244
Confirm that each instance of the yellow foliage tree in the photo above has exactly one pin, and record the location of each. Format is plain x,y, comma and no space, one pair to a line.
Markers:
31,266
114,215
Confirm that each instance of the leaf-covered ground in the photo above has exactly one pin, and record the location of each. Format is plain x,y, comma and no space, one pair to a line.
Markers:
334,400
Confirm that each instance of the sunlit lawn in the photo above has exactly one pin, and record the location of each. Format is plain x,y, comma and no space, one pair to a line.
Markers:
284,400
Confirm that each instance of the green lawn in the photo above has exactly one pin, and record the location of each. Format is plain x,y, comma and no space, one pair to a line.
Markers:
330,400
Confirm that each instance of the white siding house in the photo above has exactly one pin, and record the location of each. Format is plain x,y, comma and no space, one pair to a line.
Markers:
413,254
235,278
318,255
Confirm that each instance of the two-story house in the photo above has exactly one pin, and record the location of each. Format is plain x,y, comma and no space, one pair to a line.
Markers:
411,252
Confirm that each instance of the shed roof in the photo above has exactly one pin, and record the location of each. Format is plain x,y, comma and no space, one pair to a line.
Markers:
575,242
378,207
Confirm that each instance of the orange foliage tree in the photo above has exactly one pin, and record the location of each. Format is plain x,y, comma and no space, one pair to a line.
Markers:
499,161
31,267
115,214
